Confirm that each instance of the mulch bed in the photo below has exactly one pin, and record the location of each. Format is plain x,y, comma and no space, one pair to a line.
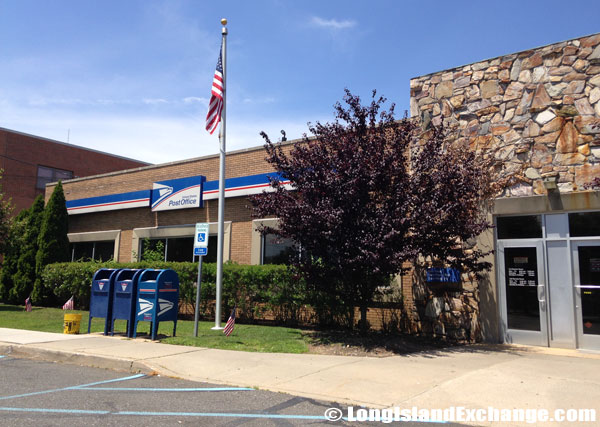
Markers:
374,344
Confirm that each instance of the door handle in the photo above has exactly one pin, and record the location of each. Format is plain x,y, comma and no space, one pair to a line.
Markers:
541,293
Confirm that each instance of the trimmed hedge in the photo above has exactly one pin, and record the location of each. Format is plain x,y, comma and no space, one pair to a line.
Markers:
253,288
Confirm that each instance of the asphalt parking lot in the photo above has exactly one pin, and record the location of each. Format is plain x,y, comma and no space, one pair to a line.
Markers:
50,394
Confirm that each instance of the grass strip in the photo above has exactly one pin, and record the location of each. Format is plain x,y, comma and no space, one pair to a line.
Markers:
254,338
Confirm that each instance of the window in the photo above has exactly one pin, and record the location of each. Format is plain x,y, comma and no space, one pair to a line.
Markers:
46,175
179,249
87,251
276,250
584,224
519,227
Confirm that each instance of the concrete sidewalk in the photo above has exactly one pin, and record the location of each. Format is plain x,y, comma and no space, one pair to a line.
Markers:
473,377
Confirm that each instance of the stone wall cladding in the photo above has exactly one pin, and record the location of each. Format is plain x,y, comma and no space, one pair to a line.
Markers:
535,111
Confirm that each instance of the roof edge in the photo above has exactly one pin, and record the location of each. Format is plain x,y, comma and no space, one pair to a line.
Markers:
71,145
501,56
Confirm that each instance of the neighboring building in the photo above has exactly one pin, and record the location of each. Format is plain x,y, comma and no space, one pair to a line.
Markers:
30,162
534,111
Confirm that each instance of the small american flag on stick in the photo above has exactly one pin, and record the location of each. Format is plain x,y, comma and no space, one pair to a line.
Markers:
215,106
230,323
69,305
28,304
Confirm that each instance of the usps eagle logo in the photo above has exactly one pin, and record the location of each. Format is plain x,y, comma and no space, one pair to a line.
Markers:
163,192
163,305
145,306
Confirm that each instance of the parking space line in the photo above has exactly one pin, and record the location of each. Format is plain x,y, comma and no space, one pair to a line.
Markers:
167,414
221,414
77,387
132,377
170,389
56,411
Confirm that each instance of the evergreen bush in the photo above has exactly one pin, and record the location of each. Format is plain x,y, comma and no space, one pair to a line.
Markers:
12,252
53,243
24,278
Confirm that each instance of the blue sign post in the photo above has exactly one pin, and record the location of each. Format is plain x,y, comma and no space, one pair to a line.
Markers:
200,249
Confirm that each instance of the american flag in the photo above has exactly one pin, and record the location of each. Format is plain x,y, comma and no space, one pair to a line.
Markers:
69,305
215,106
230,323
28,304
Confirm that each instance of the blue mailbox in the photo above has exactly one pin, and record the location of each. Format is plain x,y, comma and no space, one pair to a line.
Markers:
125,297
157,299
101,296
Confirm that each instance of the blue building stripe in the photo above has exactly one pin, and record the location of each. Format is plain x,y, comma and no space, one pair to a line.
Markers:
111,199
243,181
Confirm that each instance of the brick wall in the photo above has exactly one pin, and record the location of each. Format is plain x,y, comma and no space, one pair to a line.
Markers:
239,163
20,155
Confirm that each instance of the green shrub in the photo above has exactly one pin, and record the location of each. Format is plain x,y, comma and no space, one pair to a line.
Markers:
253,288
24,277
53,243
14,246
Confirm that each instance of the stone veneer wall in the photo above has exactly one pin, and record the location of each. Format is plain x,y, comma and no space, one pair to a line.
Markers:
533,110
538,113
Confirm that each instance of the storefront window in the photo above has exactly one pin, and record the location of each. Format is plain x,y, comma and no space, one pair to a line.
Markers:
519,227
276,250
176,249
87,251
180,249
584,224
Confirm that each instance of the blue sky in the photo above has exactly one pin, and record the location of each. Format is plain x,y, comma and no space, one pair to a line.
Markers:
133,77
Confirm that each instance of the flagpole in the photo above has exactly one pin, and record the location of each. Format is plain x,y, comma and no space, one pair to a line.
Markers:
221,213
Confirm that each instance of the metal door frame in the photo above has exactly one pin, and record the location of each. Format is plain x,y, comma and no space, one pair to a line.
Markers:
517,336
588,342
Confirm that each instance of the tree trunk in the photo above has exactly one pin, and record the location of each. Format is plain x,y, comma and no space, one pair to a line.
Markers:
364,325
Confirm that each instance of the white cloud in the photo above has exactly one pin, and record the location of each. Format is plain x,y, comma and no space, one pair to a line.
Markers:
332,24
154,101
193,99
265,100
40,102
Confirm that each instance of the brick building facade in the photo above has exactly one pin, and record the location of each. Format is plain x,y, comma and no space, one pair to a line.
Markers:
128,227
30,162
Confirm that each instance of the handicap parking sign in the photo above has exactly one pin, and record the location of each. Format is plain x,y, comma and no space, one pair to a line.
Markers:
201,240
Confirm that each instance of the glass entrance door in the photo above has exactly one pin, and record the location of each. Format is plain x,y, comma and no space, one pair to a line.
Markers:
586,270
523,293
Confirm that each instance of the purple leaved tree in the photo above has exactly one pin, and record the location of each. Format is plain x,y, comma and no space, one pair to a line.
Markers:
369,195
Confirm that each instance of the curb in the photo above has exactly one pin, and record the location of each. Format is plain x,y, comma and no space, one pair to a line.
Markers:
33,353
